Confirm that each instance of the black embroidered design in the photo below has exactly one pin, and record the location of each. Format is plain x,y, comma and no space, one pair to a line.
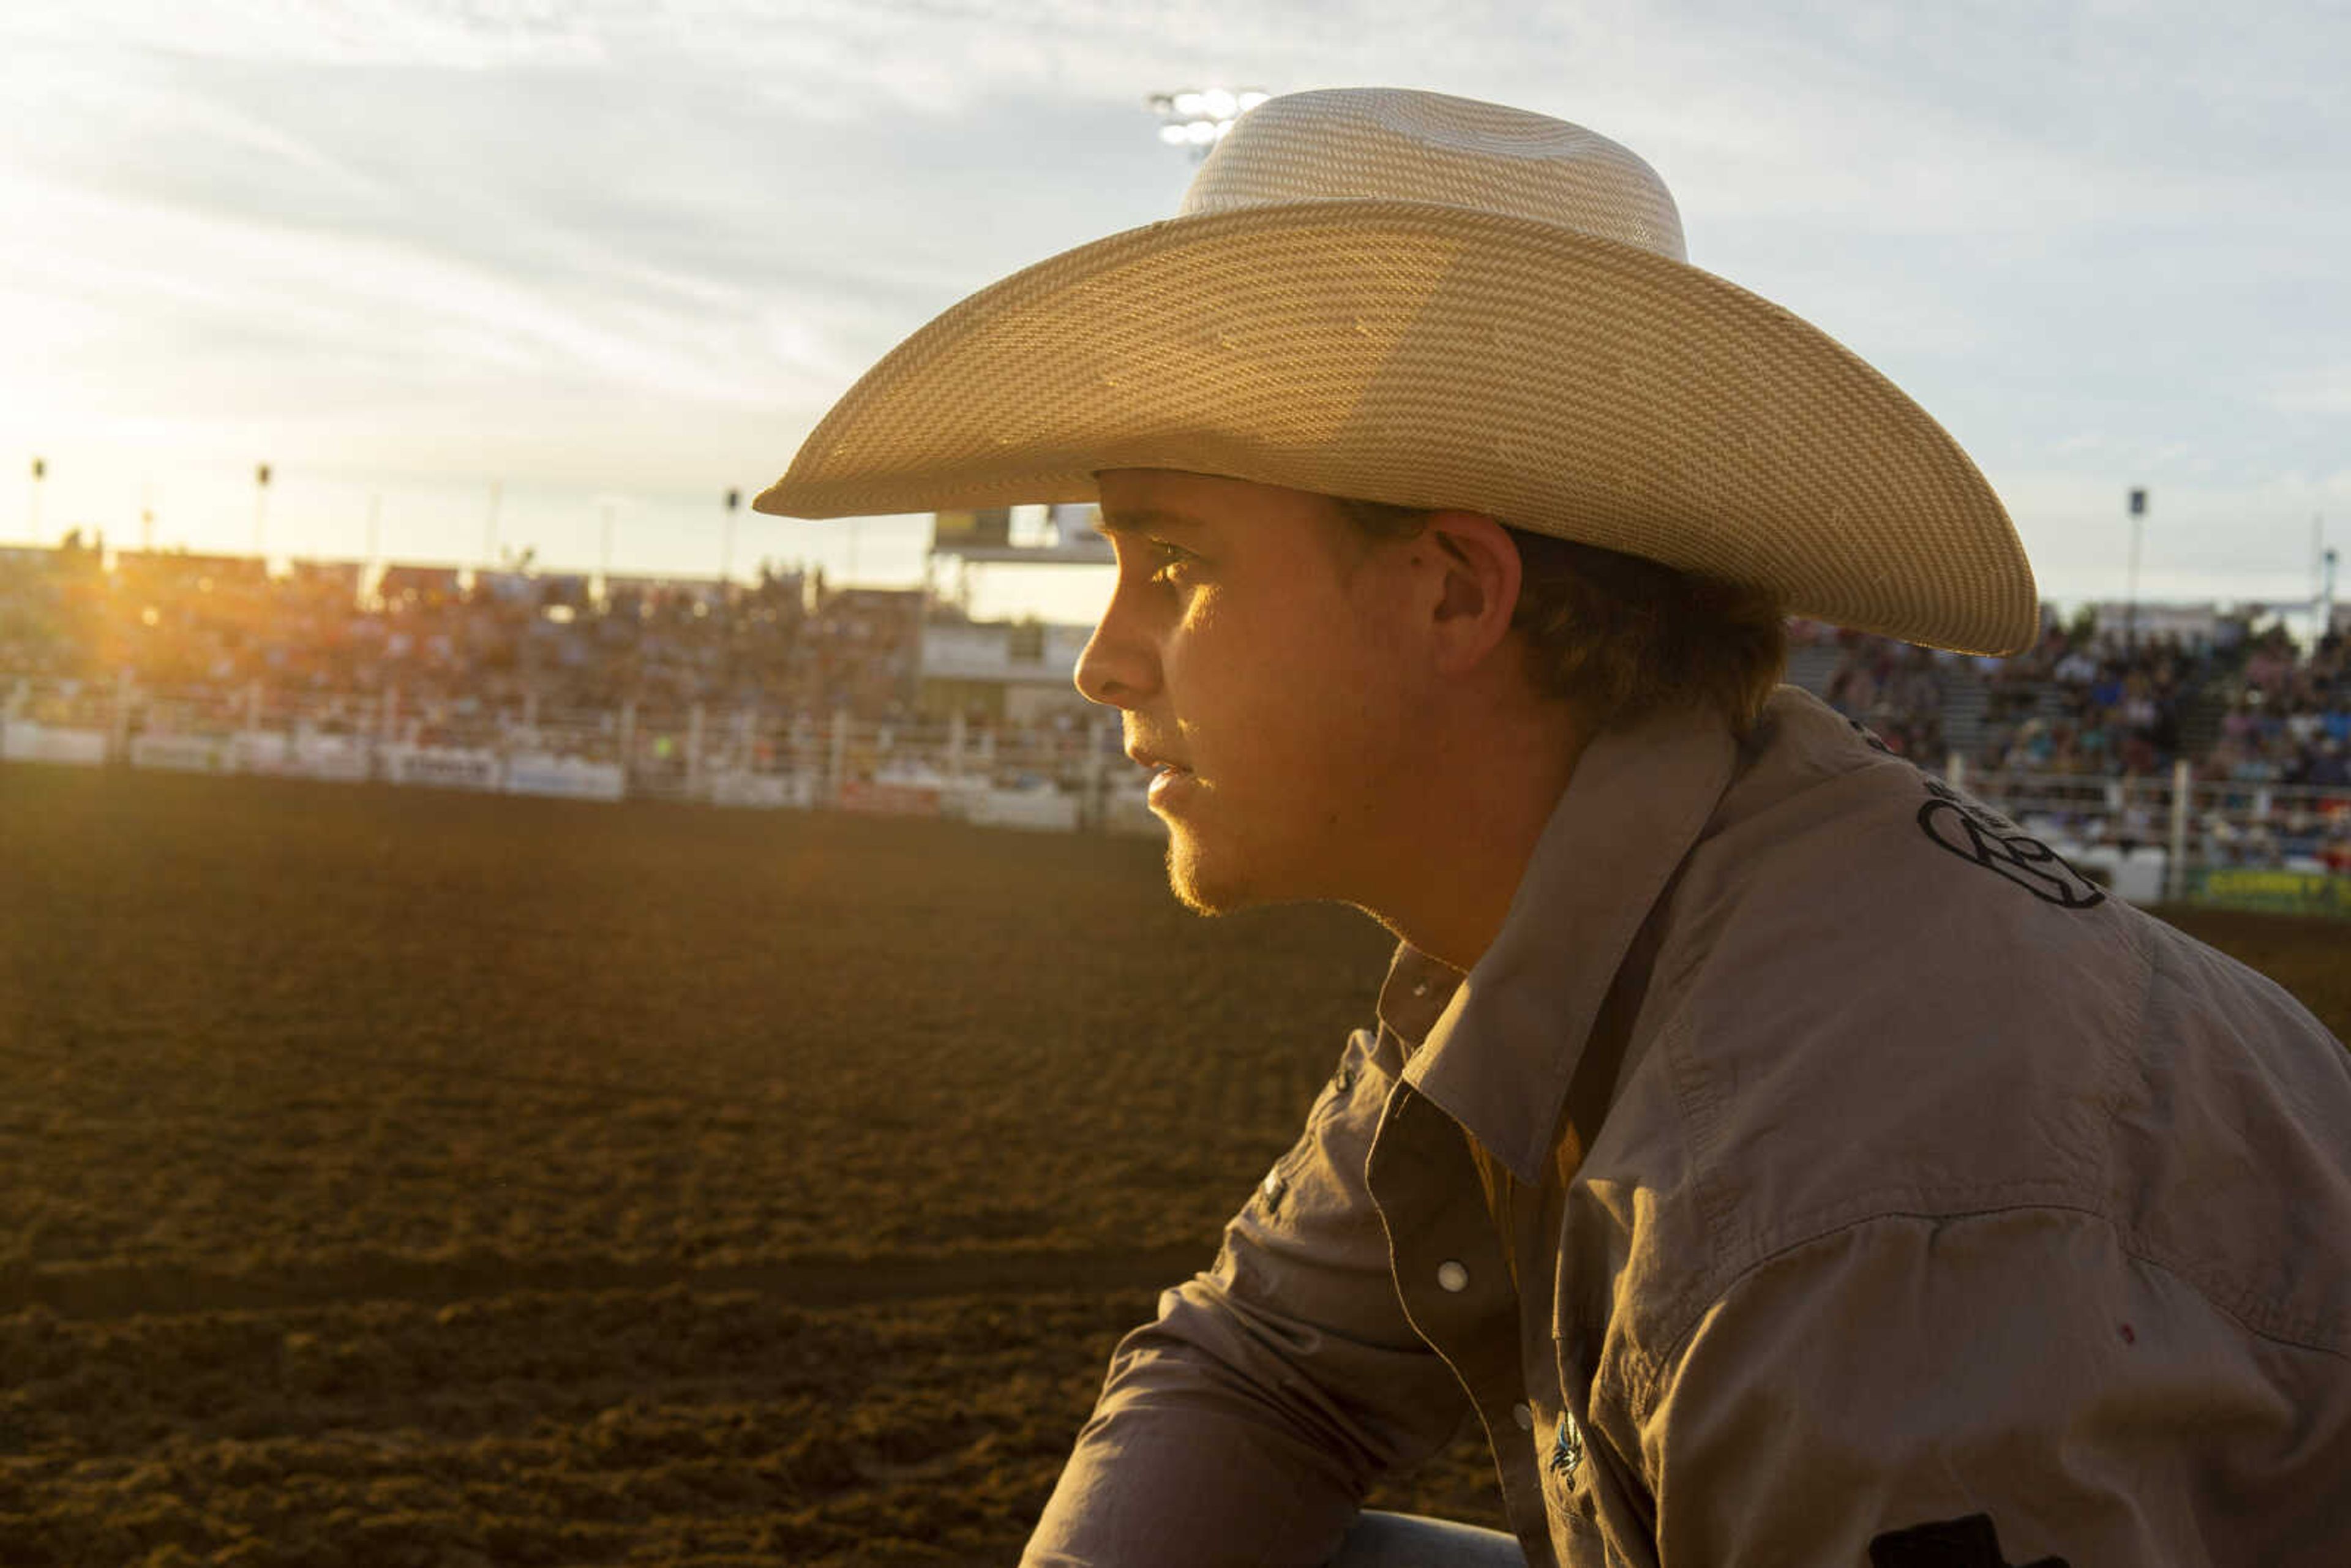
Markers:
1970,1542
1868,735
1990,841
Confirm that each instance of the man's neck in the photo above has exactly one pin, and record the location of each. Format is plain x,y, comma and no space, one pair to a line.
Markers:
1463,842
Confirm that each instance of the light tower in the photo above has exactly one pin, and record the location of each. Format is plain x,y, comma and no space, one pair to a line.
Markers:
1197,117
2130,603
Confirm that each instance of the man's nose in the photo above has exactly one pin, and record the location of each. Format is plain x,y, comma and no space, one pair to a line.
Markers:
1118,668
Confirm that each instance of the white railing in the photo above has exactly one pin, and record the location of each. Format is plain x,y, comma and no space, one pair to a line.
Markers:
1051,776
2163,836
2149,838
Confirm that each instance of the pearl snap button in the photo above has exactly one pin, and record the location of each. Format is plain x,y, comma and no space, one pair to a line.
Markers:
1524,1415
1420,988
1452,1276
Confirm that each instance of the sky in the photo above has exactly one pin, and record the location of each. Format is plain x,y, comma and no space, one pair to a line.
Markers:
474,275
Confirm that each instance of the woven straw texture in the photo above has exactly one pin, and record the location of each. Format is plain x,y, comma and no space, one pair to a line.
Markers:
1462,346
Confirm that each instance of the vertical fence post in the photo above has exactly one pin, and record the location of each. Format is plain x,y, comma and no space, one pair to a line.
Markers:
2175,868
693,752
837,766
119,738
628,743
955,747
1096,814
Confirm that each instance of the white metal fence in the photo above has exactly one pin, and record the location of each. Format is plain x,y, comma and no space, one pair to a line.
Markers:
1066,777
2171,836
2150,838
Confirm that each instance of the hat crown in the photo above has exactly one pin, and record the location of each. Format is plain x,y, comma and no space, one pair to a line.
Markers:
1391,144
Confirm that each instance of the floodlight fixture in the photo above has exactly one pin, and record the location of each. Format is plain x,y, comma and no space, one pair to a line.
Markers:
1198,116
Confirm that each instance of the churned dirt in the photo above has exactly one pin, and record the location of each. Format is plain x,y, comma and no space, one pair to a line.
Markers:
407,1178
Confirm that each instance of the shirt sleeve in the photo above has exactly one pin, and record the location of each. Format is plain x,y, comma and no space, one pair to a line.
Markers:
2006,1388
1244,1424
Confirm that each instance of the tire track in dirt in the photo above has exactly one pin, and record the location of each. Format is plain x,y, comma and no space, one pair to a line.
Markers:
93,1293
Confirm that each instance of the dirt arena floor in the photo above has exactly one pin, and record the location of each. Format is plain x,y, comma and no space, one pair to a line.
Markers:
406,1177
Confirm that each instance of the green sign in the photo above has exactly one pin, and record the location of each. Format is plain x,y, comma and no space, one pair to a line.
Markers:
2281,891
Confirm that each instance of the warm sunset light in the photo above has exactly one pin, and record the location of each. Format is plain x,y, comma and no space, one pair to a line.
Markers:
382,247
1167,783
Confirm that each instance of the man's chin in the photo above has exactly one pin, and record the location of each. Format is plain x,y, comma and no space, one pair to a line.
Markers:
1198,884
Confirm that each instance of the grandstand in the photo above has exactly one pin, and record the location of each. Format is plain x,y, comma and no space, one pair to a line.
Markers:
2203,753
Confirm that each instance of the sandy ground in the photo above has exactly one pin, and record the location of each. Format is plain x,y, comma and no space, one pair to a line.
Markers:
406,1177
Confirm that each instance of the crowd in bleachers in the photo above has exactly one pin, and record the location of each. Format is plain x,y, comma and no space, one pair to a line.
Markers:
2243,705
324,634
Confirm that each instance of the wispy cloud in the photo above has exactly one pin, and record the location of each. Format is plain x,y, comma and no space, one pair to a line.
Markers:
2096,239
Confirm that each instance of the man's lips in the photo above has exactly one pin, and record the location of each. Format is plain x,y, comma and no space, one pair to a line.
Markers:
1170,780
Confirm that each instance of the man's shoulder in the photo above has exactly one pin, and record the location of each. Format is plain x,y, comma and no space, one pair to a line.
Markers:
1874,996
1840,894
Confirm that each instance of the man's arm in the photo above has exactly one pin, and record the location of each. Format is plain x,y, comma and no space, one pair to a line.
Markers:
1244,1424
2015,1387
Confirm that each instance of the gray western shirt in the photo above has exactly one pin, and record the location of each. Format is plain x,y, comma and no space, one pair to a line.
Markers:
1911,1194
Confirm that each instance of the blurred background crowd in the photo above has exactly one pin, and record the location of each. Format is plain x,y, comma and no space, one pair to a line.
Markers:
2238,700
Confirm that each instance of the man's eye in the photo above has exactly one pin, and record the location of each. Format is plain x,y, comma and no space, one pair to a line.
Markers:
1166,559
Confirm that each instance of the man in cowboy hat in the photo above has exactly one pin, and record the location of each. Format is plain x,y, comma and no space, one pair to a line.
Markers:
1784,1158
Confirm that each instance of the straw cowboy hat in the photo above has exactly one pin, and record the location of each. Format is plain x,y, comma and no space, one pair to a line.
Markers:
1407,298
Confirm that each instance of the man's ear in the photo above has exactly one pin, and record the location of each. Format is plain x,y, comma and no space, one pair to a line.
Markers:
1475,564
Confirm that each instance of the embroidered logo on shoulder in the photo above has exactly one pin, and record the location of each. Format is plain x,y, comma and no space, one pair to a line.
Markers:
1970,1542
1987,839
1868,735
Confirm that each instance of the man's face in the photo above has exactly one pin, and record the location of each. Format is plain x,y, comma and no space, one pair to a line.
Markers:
1251,646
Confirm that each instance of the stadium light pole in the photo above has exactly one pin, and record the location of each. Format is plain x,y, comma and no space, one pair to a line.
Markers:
260,505
604,554
2325,599
726,537
1197,118
2130,602
40,472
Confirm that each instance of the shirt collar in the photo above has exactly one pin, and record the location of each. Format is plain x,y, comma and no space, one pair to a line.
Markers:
1504,1041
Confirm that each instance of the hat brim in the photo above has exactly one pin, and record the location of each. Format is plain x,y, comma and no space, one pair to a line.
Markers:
1435,356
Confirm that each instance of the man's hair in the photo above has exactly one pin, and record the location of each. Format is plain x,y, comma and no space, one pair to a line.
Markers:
1619,637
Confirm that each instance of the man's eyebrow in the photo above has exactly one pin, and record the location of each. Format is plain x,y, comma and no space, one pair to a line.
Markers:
1140,519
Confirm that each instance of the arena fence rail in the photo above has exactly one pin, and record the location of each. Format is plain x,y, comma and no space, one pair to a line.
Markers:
2150,838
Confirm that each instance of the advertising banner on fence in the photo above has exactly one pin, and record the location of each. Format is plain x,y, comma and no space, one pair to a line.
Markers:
21,740
1046,809
890,799
342,758
2283,891
768,790
184,753
442,766
568,777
